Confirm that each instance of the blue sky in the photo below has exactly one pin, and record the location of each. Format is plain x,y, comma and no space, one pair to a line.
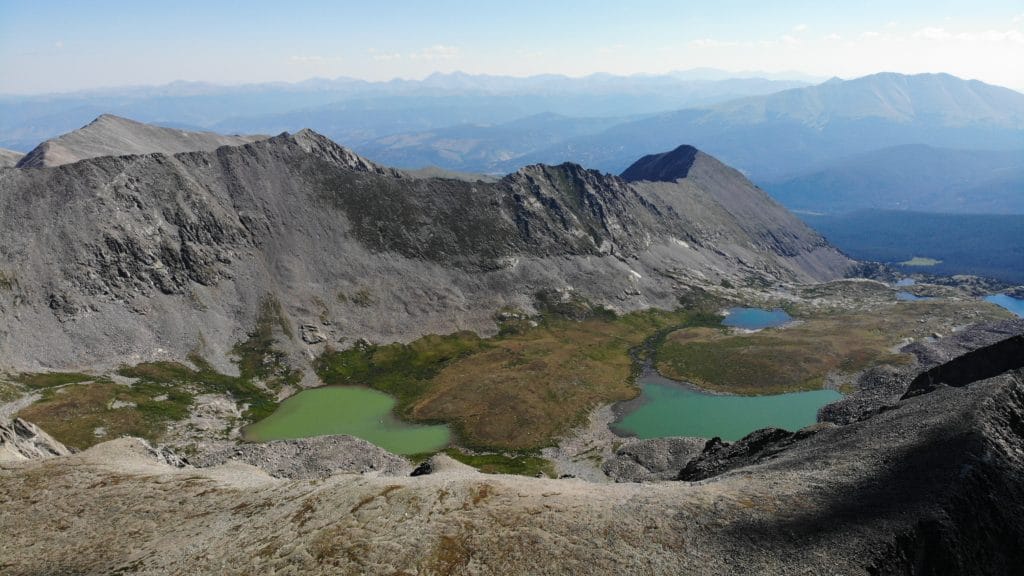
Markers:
63,45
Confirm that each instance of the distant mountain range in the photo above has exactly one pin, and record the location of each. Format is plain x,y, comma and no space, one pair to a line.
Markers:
355,111
928,142
778,135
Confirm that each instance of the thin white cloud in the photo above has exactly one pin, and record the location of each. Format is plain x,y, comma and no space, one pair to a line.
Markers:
932,33
386,56
58,44
790,40
313,58
710,43
891,24
833,37
870,34
994,36
800,28
436,52
611,49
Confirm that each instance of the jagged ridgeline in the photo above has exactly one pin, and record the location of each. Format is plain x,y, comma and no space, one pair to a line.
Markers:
107,259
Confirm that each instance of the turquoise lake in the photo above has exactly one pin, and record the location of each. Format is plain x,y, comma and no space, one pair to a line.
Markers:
908,297
756,318
359,412
1015,305
666,408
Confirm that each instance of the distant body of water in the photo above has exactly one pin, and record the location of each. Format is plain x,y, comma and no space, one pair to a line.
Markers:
756,318
1015,305
908,297
665,408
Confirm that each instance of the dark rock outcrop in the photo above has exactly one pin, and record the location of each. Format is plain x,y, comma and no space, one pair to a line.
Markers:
718,457
975,365
664,167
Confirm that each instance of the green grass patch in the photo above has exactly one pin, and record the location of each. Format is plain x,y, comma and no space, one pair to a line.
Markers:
402,370
43,380
518,464
520,389
72,414
799,357
163,391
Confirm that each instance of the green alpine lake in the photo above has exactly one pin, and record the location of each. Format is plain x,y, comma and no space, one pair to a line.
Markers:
667,408
359,412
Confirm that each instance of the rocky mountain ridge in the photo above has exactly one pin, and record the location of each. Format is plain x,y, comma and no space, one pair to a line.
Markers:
110,135
125,258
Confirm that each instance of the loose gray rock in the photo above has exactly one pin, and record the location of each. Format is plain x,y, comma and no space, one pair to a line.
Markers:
652,459
23,440
317,457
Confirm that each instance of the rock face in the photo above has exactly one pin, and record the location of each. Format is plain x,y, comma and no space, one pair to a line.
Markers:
883,386
975,365
665,167
22,440
308,458
129,258
111,135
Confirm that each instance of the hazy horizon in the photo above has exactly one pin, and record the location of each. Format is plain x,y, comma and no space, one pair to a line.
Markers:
115,43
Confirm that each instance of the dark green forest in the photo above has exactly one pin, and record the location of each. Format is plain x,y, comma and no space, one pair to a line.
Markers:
980,244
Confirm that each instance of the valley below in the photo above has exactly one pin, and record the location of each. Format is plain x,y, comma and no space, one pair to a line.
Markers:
271,355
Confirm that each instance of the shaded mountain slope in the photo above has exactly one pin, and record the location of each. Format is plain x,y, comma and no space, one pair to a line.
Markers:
125,258
911,177
110,135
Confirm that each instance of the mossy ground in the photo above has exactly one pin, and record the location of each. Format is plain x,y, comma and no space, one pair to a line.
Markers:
525,464
74,405
799,357
518,390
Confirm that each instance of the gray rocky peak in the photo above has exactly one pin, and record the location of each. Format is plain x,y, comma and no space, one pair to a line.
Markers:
665,167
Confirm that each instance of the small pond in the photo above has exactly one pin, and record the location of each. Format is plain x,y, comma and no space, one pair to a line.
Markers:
908,297
352,410
667,408
756,318
1015,305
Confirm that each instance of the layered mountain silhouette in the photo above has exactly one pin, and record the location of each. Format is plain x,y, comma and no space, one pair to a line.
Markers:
778,135
150,254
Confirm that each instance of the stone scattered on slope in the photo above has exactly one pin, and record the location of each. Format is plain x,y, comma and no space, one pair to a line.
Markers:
652,459
317,457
